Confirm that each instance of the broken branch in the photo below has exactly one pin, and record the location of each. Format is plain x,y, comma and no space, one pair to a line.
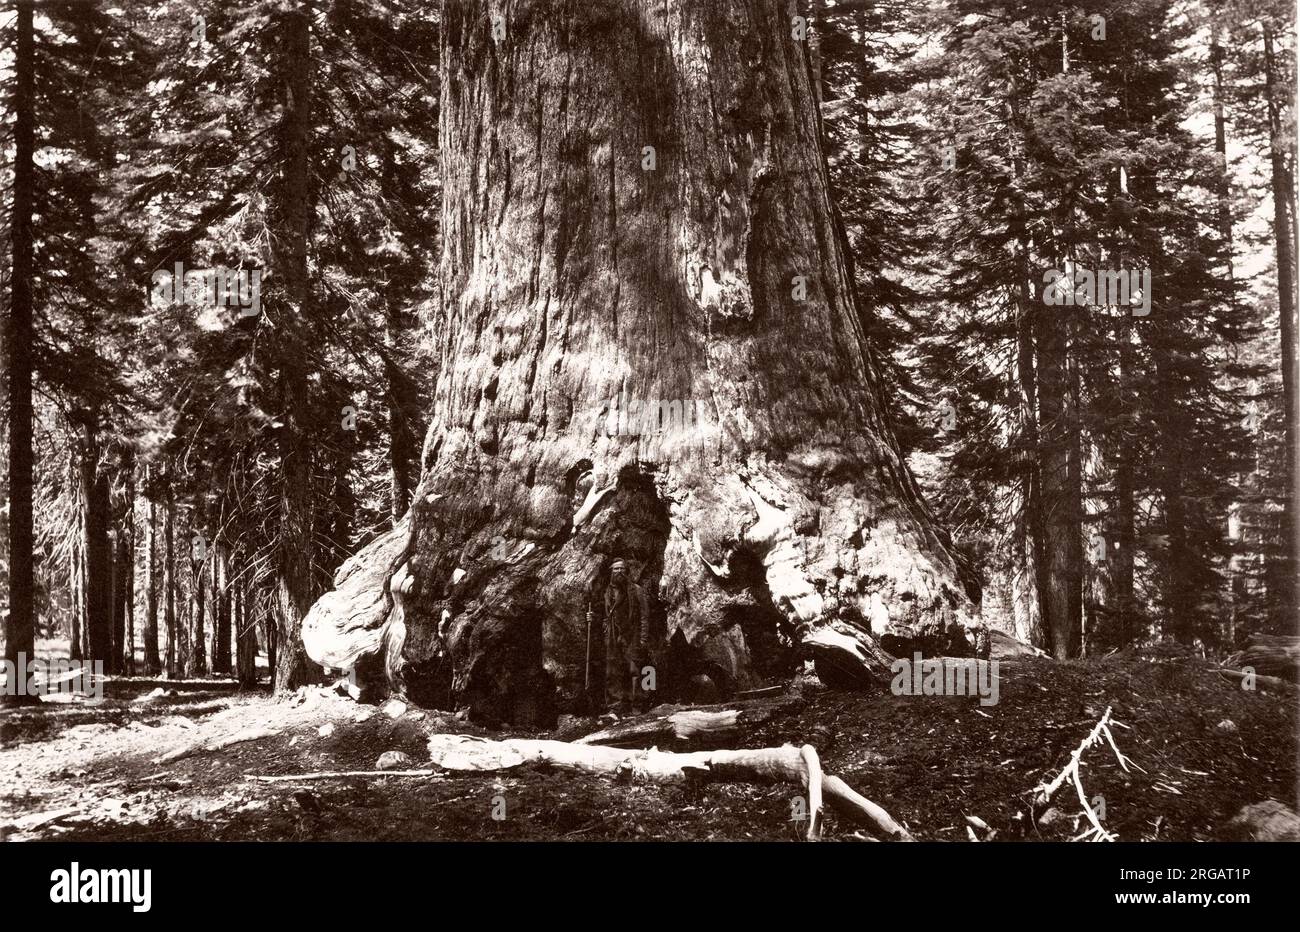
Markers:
1044,792
786,764
339,774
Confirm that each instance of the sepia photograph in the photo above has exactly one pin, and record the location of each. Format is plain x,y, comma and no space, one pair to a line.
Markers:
618,422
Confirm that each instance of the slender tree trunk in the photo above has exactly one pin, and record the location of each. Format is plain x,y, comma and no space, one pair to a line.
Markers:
74,597
291,222
1176,561
271,631
19,628
1179,612
1224,191
114,609
1283,193
221,601
98,548
184,614
245,639
1236,568
1119,529
76,604
83,593
1028,533
99,572
120,576
169,578
1060,560
578,267
152,662
198,598
1123,546
129,532
237,623
121,563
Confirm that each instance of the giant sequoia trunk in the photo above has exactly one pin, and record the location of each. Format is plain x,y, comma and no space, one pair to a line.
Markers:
578,267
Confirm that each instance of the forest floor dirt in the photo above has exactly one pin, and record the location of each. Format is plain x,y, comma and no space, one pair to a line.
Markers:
82,771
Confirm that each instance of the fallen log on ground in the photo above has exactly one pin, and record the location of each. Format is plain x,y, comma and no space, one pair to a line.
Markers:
216,744
1270,655
691,724
1275,683
37,820
786,764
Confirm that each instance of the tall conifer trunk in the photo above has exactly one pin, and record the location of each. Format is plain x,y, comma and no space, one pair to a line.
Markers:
19,629
291,220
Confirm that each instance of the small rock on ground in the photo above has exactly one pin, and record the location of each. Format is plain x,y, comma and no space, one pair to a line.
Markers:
393,760
1263,821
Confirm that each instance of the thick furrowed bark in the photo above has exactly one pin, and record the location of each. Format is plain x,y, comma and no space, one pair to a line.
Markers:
766,497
